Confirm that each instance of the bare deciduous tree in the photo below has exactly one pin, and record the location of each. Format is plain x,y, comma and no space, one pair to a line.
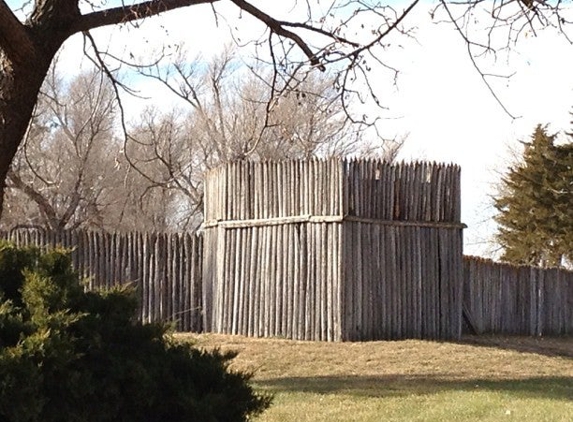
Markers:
71,170
347,34
63,175
166,158
231,117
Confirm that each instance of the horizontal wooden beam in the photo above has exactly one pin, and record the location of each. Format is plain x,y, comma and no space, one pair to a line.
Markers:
297,219
405,223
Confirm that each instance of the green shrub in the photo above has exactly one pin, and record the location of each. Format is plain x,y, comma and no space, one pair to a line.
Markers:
67,355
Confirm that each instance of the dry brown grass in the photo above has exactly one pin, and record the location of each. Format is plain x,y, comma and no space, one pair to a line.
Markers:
479,378
494,357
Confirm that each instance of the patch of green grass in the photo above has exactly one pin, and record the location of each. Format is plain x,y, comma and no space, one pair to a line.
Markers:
426,399
480,379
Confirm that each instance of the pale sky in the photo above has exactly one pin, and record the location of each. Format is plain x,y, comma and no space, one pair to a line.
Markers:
439,99
452,117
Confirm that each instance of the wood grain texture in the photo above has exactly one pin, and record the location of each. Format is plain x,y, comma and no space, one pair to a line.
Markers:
323,250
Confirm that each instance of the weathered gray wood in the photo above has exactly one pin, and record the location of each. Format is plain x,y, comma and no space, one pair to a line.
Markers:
323,250
505,299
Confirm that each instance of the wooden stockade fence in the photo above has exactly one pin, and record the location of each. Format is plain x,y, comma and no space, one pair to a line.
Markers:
507,299
323,250
498,298
165,268
333,250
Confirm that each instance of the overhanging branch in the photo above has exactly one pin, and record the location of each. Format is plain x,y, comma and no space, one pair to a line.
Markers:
278,28
130,13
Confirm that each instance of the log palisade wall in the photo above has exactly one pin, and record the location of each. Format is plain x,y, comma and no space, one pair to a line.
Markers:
507,299
323,250
164,268
333,250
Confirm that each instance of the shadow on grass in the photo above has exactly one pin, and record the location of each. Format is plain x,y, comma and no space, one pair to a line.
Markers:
557,388
546,346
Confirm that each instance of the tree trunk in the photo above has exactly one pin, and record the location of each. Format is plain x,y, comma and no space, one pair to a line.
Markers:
19,87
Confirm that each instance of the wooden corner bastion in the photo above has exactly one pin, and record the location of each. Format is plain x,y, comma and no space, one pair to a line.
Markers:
333,250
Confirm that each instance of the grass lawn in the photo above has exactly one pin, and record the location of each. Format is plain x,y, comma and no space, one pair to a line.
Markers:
479,379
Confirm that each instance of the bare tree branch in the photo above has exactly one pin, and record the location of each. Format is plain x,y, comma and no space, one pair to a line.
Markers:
278,27
349,35
123,14
65,168
14,38
472,58
388,30
43,204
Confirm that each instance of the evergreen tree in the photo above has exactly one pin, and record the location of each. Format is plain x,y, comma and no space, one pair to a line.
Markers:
535,204
75,356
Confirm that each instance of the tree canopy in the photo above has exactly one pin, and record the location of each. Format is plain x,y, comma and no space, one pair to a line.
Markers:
535,204
73,170
350,36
